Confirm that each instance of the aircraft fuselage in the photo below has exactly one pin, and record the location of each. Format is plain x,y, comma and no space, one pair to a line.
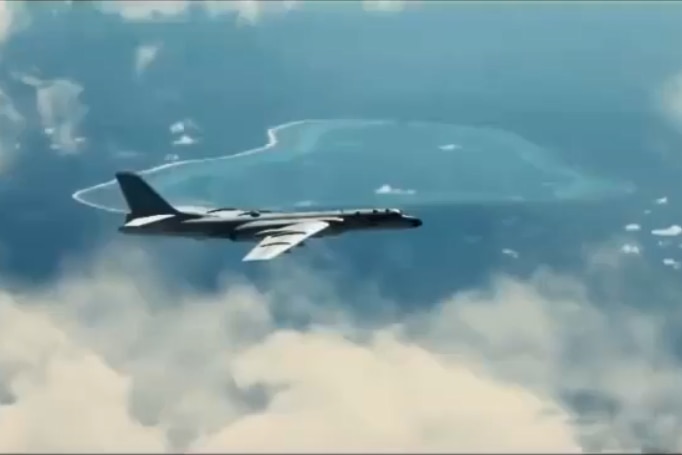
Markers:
243,225
275,232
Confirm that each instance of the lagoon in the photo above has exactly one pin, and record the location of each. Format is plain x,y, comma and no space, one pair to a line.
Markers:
358,162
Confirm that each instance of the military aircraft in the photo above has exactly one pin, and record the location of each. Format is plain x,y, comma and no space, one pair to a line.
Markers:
275,232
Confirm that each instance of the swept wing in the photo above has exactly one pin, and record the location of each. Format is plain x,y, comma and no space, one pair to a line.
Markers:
280,240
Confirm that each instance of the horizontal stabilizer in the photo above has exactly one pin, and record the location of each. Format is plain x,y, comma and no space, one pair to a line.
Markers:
143,221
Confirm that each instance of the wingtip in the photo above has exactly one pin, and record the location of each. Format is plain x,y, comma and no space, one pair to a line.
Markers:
253,258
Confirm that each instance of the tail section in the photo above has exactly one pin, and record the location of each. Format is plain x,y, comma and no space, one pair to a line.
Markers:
141,198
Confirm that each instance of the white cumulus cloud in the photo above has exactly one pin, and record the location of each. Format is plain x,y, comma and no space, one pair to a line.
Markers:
142,10
247,11
511,253
670,231
629,248
12,18
112,359
61,111
670,262
388,189
184,140
384,5
145,55
448,147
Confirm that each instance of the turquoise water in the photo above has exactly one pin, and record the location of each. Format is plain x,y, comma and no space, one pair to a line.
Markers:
320,163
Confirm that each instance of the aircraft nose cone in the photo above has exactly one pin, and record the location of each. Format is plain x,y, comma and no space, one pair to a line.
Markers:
416,222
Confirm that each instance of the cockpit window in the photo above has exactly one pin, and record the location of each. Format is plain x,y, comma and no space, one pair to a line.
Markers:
396,211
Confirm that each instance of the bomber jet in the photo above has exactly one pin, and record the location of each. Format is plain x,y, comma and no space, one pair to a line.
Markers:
276,232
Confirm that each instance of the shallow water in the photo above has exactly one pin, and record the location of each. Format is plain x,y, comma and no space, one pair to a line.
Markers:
325,163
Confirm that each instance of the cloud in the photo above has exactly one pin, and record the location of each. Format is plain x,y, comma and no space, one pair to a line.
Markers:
388,189
247,10
511,253
5,19
143,10
61,111
670,262
177,128
12,18
670,231
181,130
448,147
670,100
383,395
612,363
11,125
145,54
112,358
629,248
384,5
184,140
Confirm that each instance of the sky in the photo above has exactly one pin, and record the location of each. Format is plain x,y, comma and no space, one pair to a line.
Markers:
544,328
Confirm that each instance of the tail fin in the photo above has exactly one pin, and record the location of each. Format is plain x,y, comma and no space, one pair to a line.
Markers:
141,198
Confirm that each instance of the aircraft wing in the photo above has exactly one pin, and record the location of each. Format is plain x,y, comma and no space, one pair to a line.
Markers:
280,240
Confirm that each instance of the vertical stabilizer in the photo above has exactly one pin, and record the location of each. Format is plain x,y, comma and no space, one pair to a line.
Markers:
141,198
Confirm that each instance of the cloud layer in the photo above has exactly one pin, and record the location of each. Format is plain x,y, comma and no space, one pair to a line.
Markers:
12,18
248,11
112,359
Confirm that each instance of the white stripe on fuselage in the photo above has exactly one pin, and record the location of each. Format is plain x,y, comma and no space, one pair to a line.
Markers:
142,221
283,221
245,214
